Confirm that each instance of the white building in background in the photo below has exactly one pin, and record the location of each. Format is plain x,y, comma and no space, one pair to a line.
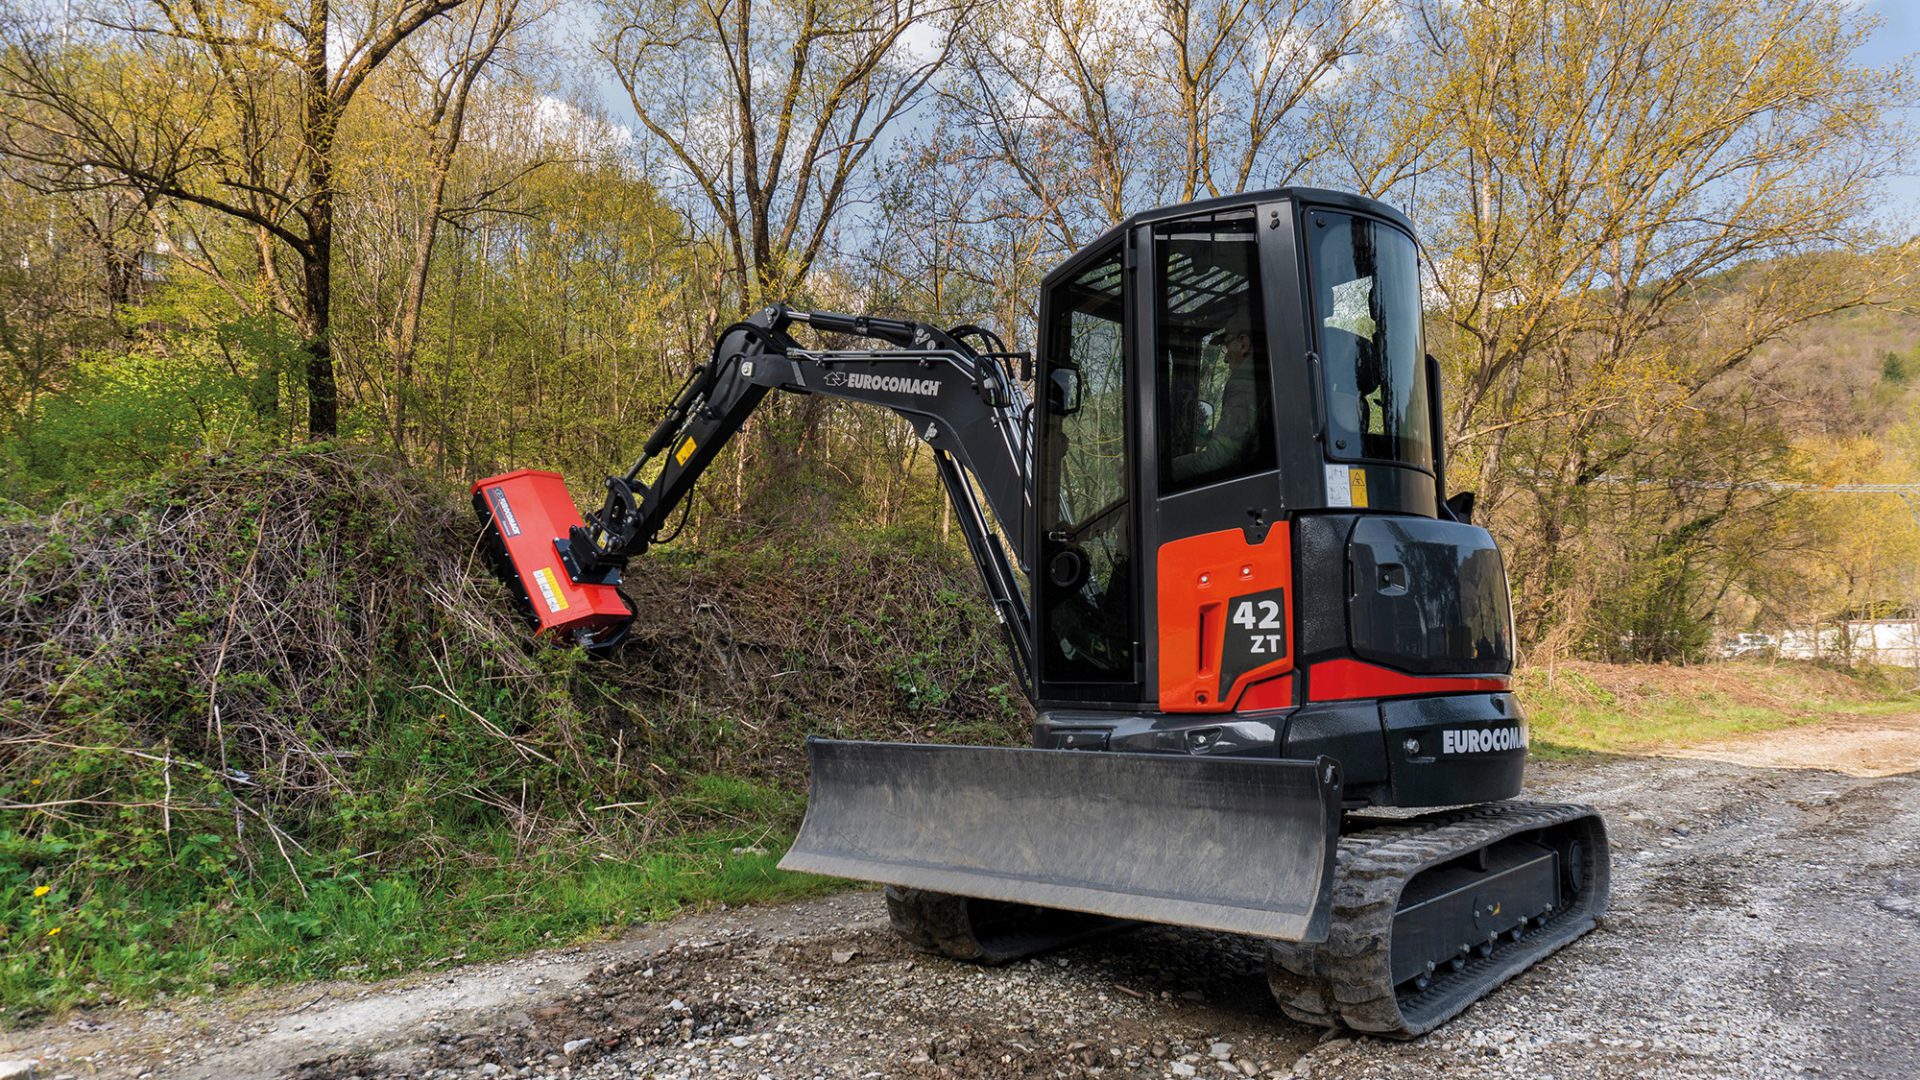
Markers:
1874,641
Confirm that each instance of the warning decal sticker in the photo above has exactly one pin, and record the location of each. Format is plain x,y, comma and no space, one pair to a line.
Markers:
687,447
1339,488
550,589
1346,486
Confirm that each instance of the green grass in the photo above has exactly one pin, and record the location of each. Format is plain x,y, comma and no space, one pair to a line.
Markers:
83,941
1572,713
78,927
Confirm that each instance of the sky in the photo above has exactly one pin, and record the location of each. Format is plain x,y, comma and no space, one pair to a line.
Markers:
1898,37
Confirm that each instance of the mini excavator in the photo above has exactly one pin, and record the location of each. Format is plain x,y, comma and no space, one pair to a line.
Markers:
1269,656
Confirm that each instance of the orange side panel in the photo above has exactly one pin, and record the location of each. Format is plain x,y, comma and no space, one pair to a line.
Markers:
1349,680
1271,694
1226,617
532,509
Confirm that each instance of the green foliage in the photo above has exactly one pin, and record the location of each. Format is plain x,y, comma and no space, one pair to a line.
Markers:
194,375
272,726
95,935
1589,708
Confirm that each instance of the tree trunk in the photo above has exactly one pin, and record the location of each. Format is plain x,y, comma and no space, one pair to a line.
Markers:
323,400
407,334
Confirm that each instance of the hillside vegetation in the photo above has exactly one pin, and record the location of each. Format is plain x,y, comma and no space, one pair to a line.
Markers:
1664,302
271,717
1576,706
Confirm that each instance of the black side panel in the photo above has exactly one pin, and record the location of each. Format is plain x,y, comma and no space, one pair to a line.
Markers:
1348,732
1320,602
1429,597
1455,748
1221,734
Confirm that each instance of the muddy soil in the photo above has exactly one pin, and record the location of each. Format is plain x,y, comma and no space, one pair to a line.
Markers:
1765,922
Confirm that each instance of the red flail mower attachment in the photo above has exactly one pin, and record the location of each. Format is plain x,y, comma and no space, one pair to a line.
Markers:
525,516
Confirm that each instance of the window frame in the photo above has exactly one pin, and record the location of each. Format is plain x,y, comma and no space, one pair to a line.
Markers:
1266,456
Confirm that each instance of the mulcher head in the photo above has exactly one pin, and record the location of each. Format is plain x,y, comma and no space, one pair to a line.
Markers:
525,519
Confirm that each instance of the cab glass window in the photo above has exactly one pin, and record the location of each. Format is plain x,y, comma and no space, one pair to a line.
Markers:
1086,551
1366,313
1210,344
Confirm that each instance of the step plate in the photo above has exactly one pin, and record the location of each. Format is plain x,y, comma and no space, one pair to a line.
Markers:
1242,845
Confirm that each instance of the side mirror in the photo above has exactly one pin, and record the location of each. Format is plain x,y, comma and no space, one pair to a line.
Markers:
1063,391
1460,505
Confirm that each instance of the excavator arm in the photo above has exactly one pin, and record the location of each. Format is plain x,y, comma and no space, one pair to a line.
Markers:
963,401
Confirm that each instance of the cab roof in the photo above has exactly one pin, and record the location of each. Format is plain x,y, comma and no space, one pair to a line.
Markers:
1337,200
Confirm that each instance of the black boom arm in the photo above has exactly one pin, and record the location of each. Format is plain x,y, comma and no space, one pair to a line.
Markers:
962,401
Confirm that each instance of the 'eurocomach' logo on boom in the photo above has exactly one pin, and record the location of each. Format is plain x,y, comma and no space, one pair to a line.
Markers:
1483,740
895,384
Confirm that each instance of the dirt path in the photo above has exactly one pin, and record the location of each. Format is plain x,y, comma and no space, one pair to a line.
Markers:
1766,922
1855,745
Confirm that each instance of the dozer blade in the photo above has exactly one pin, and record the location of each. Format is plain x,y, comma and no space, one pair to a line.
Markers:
1241,845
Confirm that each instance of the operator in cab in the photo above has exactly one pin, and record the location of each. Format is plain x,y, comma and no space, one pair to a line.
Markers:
1220,429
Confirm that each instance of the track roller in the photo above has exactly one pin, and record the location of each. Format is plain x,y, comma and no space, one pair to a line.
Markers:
1432,913
988,931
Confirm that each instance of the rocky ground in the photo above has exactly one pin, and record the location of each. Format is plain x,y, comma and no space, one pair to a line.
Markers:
1766,922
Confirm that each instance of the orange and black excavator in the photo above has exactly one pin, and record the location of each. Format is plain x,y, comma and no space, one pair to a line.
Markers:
1249,617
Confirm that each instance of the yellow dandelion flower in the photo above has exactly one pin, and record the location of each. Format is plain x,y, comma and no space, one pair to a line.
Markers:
55,932
43,890
36,781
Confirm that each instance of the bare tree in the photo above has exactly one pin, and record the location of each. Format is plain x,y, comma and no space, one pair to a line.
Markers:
766,111
1624,201
1081,112
406,172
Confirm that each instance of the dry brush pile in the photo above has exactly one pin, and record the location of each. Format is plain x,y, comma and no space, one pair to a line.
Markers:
305,650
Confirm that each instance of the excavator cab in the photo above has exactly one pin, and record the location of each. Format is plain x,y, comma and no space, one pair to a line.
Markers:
1240,543
1218,541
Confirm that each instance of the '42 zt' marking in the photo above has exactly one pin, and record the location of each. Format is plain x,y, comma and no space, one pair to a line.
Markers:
1258,615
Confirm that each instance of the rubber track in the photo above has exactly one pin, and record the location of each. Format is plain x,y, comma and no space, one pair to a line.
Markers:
1347,982
987,931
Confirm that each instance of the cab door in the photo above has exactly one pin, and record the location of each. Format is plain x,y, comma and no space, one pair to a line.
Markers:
1086,577
1219,537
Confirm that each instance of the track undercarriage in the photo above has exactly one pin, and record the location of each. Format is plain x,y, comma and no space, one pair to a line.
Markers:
1430,914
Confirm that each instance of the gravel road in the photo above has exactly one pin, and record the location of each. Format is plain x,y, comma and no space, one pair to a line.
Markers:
1765,922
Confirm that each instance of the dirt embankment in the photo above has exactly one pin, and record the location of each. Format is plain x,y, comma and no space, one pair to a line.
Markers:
1766,922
